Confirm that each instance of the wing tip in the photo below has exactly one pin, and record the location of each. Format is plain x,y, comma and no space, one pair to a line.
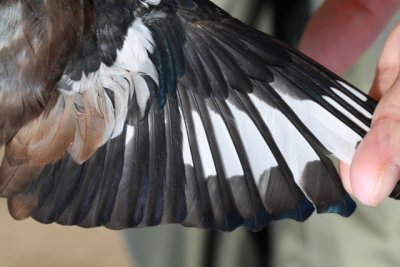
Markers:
344,208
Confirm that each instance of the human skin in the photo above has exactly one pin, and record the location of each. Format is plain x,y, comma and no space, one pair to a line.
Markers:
339,32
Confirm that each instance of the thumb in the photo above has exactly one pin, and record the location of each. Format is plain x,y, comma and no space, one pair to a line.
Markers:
375,169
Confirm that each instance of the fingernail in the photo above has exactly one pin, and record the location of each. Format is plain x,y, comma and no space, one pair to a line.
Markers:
385,184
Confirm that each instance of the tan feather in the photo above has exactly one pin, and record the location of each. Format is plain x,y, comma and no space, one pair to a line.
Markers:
54,136
16,151
78,123
90,126
20,207
42,141
2,152
14,178
45,139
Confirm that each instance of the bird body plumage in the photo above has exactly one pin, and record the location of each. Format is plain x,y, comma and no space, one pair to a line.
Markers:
128,113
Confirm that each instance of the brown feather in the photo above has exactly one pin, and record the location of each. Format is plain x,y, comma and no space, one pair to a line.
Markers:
77,124
13,179
20,207
90,126
56,135
41,38
45,139
16,151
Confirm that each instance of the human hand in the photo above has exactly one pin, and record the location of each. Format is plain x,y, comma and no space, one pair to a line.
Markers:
337,41
375,169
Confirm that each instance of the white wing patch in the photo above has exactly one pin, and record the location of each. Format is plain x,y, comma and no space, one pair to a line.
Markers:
329,130
353,91
151,2
257,151
352,103
230,158
204,147
347,113
124,77
289,140
186,151
130,133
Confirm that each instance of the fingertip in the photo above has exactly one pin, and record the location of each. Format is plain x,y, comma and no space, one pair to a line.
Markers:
385,183
363,176
380,188
374,171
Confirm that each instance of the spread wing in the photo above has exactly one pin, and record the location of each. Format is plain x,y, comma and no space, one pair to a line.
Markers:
174,112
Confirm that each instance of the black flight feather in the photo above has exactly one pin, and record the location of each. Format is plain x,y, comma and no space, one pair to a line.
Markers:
234,129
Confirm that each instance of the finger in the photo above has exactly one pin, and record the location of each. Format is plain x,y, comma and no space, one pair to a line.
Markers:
335,35
374,171
344,170
375,168
388,64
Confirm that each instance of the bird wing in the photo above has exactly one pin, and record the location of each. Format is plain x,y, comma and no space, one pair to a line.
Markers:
175,112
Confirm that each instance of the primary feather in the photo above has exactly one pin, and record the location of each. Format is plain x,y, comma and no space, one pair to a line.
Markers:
167,111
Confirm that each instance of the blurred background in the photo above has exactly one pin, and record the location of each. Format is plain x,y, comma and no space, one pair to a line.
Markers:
369,238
